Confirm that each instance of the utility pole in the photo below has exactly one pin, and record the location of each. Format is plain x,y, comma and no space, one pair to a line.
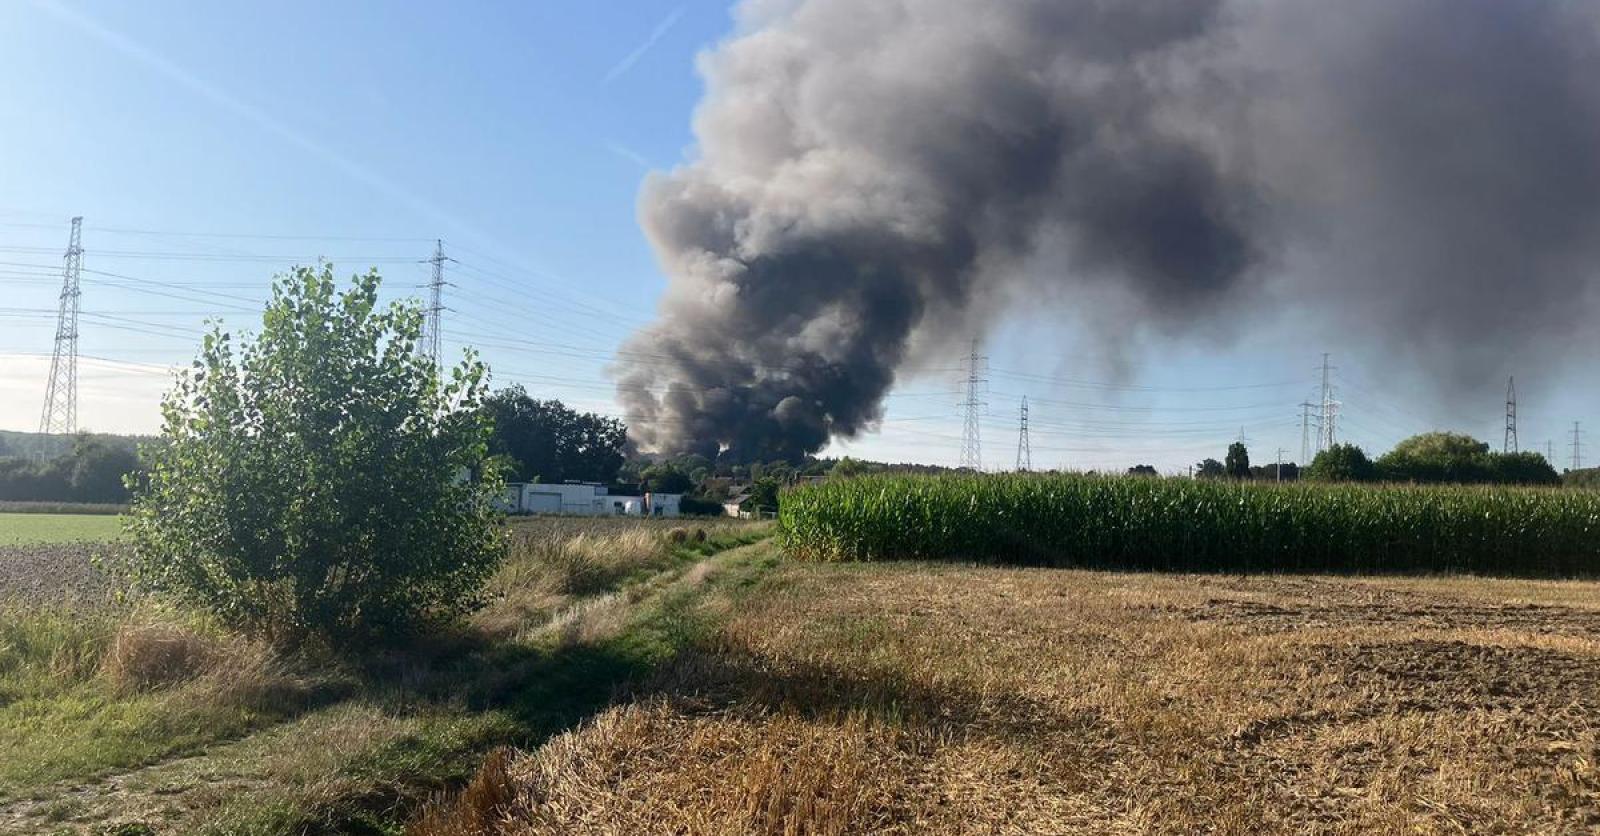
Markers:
1281,451
1305,433
971,443
430,326
1550,451
1326,436
1577,446
1024,450
60,413
1510,443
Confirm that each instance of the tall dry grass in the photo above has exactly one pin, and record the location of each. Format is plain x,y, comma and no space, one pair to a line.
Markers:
560,569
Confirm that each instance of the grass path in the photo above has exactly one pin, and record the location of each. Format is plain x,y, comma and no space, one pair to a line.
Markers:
420,725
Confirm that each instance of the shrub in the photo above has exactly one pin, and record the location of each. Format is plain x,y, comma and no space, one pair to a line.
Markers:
1588,477
1193,525
323,480
1342,463
1437,457
1443,457
692,507
1522,469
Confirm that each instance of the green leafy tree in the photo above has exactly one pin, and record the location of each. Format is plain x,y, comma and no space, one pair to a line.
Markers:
1210,469
763,495
1287,472
1437,457
1238,462
98,469
322,479
1587,477
666,478
1342,463
1522,469
847,467
545,441
1142,470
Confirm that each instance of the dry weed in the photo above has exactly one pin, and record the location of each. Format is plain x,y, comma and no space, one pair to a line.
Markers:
479,809
145,656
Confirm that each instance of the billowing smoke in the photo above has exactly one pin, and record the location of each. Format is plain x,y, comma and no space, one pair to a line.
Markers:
876,175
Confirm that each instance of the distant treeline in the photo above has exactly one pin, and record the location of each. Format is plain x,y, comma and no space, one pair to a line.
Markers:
82,468
52,446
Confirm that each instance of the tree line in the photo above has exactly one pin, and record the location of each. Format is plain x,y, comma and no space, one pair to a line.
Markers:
89,469
1428,458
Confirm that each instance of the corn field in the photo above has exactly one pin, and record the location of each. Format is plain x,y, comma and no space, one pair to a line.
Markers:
1181,525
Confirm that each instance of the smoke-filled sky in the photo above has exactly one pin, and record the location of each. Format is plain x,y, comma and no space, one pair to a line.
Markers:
779,225
877,184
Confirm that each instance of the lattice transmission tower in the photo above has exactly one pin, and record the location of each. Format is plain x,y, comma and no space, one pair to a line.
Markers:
971,438
1510,443
1305,433
60,414
1326,437
430,325
1024,450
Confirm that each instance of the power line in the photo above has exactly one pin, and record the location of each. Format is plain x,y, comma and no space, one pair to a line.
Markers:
60,413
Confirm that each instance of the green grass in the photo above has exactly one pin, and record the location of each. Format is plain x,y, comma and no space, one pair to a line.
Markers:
20,529
1182,525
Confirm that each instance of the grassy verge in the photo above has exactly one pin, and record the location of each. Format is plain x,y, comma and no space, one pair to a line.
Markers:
221,744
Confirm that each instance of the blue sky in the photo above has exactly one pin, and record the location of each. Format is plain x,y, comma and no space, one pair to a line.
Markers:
208,146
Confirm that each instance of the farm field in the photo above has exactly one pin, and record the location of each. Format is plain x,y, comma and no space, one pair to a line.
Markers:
918,698
137,715
25,528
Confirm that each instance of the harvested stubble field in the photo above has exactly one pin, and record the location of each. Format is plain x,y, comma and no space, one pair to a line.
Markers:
914,698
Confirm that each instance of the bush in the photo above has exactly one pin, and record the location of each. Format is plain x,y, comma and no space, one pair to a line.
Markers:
1436,457
1193,525
324,480
1441,457
1522,469
1587,477
1342,463
690,506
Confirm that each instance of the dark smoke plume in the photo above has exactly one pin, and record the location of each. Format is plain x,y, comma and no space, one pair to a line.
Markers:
873,175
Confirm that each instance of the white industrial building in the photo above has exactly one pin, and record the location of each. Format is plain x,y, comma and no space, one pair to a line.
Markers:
586,499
